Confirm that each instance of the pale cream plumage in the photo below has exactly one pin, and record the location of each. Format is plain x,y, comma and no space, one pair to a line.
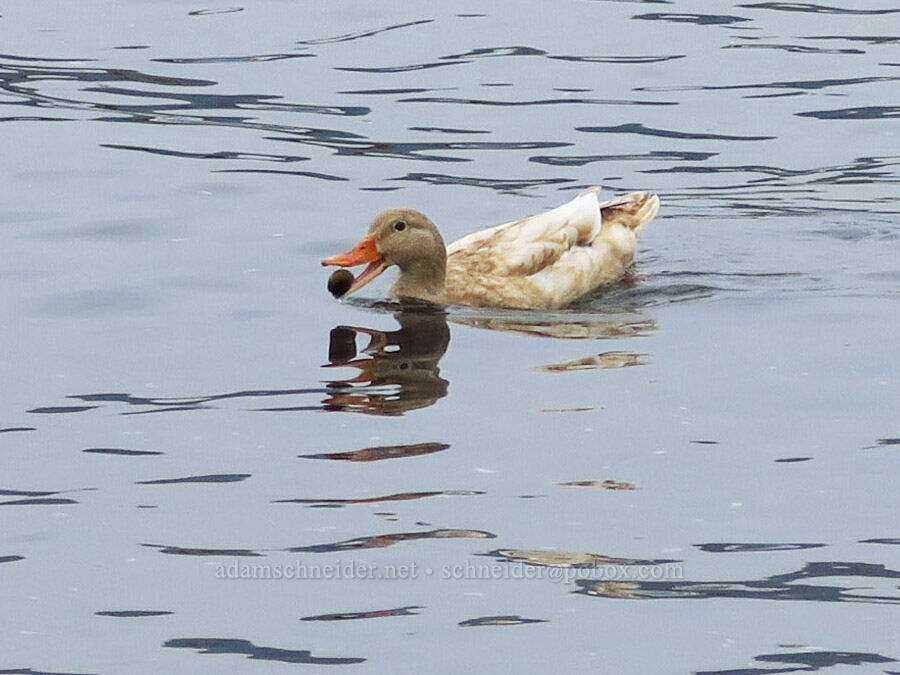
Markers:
541,262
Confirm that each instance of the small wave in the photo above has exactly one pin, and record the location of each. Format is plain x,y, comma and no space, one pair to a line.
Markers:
217,10
815,9
499,184
699,19
358,35
642,130
874,112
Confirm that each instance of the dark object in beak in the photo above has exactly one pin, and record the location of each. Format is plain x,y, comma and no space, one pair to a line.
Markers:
340,282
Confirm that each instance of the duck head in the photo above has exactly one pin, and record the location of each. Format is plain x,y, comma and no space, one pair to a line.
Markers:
405,238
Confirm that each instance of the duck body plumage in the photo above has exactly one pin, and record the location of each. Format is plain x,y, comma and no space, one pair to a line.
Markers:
541,262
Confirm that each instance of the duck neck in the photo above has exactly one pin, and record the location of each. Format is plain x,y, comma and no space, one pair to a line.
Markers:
423,279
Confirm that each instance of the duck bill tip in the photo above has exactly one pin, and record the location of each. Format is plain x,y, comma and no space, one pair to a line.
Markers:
364,252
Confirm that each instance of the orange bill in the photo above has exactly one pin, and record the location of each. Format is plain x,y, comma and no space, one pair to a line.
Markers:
364,252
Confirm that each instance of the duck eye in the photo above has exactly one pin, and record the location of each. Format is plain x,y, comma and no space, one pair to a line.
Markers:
400,226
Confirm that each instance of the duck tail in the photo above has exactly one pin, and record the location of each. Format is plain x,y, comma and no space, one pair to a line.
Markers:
634,210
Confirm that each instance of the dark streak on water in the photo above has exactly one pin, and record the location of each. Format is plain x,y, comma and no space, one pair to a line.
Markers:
573,560
889,541
754,548
370,614
39,501
778,587
57,410
501,185
793,49
203,552
348,37
653,156
865,113
666,133
255,652
220,154
546,101
800,85
31,671
399,497
386,540
132,613
700,19
122,451
503,620
210,12
869,39
255,58
805,661
814,8
212,478
381,452
306,174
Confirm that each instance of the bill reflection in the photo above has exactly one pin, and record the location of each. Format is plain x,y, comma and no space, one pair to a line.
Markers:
396,372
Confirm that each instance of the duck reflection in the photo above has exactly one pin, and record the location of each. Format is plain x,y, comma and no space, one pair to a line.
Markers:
397,371
611,324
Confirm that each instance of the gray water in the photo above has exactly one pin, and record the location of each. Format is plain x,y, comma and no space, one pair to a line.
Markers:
211,466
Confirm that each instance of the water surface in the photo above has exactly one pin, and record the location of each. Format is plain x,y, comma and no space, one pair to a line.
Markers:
209,465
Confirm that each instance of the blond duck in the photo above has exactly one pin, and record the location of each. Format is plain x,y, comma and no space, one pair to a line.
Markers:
541,262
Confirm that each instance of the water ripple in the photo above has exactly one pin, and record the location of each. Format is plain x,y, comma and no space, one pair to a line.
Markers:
642,130
398,497
385,540
815,9
778,587
381,452
211,478
305,174
805,661
874,112
499,620
619,59
256,652
399,69
802,85
754,548
122,452
205,552
251,58
415,150
499,184
868,39
132,613
222,102
794,49
219,154
349,37
217,10
409,610
652,156
699,19
534,102
12,76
